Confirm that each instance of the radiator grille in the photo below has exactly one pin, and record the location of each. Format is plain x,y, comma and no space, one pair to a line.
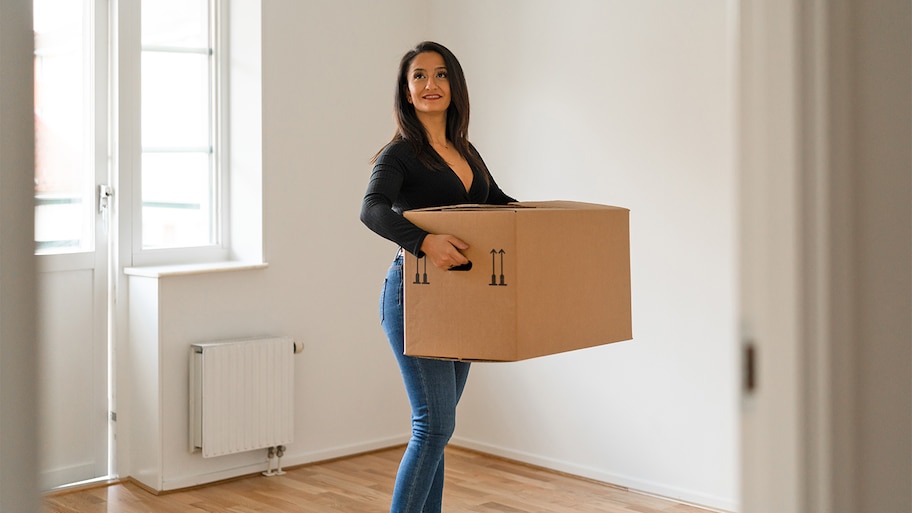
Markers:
241,395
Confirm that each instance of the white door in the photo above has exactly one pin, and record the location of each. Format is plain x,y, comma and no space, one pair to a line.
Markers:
71,240
825,131
771,465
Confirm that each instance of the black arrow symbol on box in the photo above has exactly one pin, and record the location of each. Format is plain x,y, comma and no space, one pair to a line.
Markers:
493,268
502,284
494,283
417,271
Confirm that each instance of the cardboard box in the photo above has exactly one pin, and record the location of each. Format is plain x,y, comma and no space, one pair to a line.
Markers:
545,277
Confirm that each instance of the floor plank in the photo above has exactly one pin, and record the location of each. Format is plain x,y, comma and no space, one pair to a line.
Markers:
476,483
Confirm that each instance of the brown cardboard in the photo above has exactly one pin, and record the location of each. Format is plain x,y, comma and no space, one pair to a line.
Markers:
546,277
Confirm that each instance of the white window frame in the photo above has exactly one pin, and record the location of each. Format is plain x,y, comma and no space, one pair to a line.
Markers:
218,250
96,41
238,137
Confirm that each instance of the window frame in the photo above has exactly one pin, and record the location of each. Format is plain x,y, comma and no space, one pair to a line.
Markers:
240,136
219,249
95,143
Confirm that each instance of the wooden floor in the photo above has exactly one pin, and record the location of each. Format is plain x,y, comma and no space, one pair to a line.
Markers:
476,483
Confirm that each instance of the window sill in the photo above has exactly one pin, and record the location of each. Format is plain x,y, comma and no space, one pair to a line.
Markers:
165,271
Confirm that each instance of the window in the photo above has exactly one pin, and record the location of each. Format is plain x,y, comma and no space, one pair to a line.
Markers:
144,111
65,130
180,170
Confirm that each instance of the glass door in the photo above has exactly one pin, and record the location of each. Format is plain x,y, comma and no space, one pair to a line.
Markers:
71,239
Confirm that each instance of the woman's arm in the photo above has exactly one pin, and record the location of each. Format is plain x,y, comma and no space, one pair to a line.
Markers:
497,196
377,212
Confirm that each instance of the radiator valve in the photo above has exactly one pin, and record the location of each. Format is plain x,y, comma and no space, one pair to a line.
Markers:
277,453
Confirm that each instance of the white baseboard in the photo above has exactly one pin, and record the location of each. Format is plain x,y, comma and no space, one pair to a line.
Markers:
709,502
345,450
63,476
662,490
289,460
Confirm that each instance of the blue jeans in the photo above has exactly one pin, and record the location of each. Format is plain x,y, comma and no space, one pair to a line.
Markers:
434,388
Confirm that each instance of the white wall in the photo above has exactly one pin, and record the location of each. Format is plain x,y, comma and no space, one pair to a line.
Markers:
627,103
327,86
328,75
673,357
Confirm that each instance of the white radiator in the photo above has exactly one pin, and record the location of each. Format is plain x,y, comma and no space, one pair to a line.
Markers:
241,395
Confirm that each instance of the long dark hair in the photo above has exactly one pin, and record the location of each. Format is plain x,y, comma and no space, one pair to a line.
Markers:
409,127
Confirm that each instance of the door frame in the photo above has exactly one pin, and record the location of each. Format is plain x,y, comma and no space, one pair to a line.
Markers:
796,256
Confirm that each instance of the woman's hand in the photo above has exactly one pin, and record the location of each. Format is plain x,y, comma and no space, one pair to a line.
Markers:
443,250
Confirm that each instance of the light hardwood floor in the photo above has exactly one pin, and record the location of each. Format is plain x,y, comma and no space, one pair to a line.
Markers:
476,483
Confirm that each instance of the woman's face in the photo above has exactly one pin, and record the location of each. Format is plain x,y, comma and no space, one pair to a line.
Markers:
428,86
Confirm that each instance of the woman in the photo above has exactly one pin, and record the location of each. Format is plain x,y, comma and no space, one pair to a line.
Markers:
428,163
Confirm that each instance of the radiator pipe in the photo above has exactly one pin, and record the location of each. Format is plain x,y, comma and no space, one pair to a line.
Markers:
279,452
270,453
274,452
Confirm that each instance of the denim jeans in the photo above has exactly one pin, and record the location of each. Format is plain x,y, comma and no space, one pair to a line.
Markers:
434,388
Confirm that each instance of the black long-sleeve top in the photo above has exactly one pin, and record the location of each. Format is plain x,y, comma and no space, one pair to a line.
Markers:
400,182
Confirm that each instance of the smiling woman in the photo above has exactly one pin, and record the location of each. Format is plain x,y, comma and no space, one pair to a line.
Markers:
429,94
429,162
429,89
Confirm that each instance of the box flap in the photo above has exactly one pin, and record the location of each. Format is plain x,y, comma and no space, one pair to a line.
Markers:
520,205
